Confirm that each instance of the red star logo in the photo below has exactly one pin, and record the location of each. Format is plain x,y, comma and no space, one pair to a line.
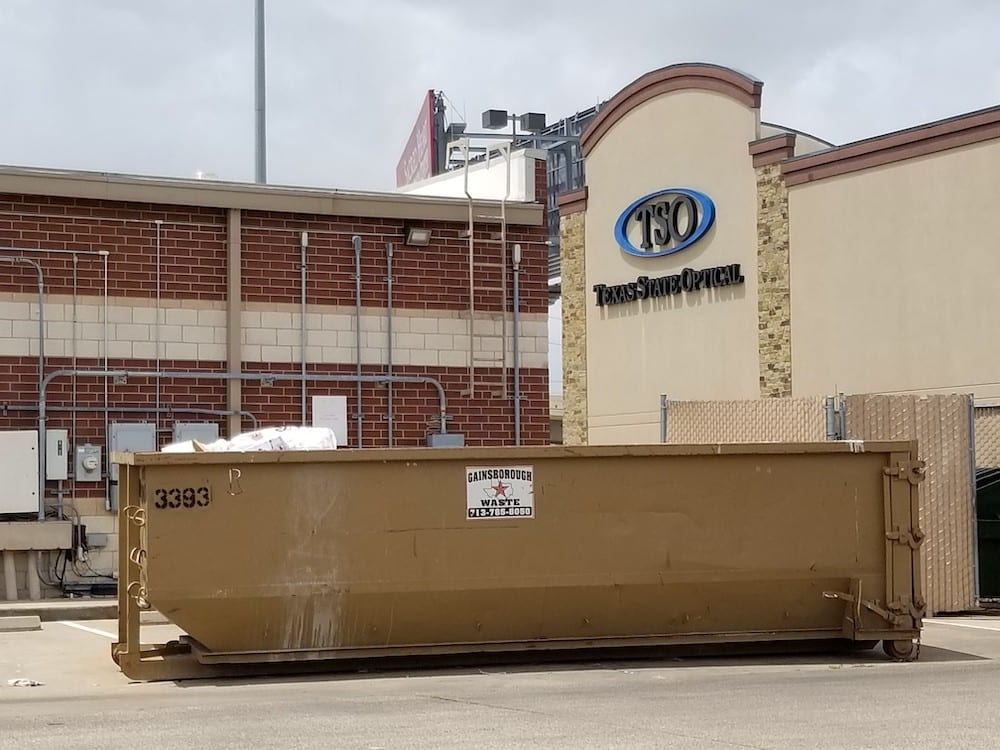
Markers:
500,489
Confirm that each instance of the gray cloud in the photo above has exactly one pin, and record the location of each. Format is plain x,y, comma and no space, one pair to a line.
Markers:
166,86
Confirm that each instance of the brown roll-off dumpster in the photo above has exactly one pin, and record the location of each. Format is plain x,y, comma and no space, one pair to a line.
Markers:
320,559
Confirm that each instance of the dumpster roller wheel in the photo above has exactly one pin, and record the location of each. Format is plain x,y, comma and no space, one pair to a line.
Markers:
904,650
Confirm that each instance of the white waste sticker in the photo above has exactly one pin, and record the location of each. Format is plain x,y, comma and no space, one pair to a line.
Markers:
499,492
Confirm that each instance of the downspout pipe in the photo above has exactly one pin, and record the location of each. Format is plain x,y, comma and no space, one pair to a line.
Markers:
356,241
41,369
388,294
159,234
517,344
107,398
195,375
303,247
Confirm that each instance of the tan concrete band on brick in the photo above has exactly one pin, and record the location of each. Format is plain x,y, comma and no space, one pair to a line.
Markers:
574,323
270,332
774,310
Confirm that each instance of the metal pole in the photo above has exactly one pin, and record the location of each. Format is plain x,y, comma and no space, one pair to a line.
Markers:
663,417
72,424
170,410
259,95
517,343
976,591
356,240
159,227
388,292
303,246
831,416
503,260
472,273
107,437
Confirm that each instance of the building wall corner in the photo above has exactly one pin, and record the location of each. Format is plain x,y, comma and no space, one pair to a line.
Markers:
574,324
774,313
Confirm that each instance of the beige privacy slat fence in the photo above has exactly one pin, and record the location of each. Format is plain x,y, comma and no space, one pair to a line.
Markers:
988,436
940,424
758,421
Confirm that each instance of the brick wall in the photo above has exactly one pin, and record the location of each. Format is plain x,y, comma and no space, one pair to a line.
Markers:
192,247
435,277
187,327
191,328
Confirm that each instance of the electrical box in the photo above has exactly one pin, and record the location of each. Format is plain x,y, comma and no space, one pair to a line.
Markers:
127,437
88,463
19,471
448,440
331,411
57,454
203,432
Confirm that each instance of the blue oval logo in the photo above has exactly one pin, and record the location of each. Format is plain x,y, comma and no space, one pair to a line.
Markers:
664,222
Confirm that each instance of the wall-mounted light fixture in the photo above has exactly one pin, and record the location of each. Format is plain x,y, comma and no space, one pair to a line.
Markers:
418,236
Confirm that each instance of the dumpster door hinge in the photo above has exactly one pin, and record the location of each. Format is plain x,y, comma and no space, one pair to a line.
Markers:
912,471
903,608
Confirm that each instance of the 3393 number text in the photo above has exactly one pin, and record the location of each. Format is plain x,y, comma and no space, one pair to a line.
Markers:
182,497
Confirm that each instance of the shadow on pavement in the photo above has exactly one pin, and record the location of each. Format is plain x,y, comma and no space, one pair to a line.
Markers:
675,657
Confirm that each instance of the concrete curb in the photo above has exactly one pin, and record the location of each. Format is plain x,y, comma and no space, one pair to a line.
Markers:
61,609
19,624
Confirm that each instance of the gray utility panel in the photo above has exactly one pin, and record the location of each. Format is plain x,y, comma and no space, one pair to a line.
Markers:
203,432
128,437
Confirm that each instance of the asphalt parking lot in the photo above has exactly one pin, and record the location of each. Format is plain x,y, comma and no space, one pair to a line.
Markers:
950,698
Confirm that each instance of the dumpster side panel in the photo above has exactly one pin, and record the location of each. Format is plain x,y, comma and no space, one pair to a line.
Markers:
251,555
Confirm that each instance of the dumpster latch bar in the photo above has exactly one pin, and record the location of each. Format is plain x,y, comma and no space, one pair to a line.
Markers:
912,471
914,537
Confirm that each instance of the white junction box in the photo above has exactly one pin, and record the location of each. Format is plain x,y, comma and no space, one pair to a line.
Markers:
57,454
331,411
19,471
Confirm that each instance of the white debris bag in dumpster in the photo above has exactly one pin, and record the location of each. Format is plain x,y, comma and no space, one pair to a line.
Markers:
268,439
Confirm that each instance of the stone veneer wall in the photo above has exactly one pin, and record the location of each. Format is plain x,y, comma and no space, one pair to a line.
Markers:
774,321
574,323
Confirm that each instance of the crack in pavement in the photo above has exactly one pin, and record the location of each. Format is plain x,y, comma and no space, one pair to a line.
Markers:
654,732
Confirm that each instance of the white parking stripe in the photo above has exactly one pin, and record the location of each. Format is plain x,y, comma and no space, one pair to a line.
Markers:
995,629
84,628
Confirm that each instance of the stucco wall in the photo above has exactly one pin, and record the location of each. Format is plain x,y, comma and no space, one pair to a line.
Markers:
694,346
894,277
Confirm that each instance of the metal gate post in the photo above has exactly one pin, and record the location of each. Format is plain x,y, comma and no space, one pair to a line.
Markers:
663,417
976,593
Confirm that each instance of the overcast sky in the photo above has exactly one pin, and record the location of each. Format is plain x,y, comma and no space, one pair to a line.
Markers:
166,86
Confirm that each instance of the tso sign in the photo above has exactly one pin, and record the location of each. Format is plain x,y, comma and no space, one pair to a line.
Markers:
664,222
